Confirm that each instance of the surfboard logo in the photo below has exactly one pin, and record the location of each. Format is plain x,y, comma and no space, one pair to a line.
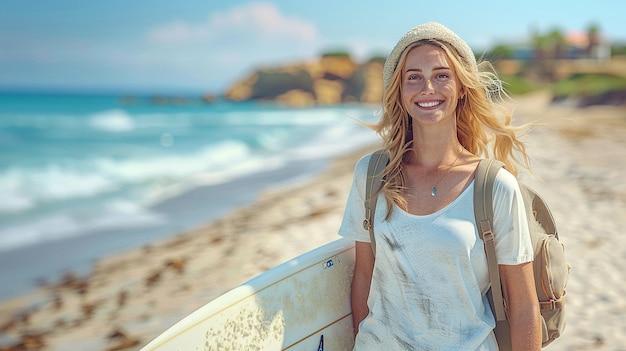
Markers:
330,262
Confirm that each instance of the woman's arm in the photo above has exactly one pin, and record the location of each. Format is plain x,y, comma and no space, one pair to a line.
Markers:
518,287
363,268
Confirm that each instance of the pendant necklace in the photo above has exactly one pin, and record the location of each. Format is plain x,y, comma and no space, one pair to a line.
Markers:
433,190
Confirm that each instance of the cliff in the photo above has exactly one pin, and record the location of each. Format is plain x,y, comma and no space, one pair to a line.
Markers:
332,79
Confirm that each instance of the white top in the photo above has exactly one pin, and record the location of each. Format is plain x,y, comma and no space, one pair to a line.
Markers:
430,276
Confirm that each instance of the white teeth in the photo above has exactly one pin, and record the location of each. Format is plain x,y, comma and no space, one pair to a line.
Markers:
429,104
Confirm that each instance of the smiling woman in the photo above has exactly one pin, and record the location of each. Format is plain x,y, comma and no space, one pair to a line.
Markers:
439,114
430,89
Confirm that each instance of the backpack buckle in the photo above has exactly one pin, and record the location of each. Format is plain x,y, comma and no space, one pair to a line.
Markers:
367,224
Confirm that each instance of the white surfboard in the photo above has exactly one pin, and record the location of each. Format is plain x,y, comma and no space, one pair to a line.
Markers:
302,304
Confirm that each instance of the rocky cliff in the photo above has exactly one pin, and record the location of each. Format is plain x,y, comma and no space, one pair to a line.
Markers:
332,79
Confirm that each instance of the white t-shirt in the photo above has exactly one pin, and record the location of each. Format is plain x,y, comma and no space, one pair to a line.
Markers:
430,276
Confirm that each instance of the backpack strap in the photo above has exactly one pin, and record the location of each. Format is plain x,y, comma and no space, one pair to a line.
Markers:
377,164
483,211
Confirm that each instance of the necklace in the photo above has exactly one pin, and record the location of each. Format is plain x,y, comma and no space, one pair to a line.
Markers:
433,190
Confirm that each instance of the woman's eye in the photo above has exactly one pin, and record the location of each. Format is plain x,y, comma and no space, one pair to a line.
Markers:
413,77
443,76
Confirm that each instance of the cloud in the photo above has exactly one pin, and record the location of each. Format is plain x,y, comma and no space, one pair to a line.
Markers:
250,23
177,32
232,42
201,54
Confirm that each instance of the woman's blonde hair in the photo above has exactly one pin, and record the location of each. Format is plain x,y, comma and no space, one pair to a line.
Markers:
483,123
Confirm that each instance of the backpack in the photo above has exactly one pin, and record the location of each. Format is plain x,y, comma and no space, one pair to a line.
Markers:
551,271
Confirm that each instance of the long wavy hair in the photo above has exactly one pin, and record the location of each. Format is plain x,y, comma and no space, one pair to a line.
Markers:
483,123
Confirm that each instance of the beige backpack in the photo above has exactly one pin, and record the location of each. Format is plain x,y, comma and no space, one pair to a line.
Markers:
551,270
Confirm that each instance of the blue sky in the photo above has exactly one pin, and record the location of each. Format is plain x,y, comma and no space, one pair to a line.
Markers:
172,46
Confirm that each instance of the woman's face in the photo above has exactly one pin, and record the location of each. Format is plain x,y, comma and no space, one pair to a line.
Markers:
430,88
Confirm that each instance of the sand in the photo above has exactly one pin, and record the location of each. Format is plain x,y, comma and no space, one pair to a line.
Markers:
131,297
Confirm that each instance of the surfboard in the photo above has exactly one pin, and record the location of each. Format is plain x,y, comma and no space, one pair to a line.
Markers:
302,304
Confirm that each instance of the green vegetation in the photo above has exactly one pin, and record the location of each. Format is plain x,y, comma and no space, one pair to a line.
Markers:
588,84
498,52
336,54
377,59
618,50
273,83
517,85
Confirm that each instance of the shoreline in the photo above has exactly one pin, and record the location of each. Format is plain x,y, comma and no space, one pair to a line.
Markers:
222,246
47,262
131,297
64,212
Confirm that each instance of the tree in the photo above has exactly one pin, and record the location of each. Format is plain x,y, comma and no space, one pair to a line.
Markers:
556,44
593,35
547,48
499,52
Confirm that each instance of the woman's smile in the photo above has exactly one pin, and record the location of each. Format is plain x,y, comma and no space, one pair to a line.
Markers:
429,104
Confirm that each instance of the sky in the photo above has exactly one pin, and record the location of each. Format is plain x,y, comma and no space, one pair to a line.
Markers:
202,47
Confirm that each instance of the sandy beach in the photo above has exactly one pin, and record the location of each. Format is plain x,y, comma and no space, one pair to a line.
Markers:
578,158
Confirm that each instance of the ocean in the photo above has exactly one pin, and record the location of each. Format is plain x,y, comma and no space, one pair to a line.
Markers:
84,176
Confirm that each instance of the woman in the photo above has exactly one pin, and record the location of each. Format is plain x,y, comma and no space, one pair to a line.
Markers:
425,289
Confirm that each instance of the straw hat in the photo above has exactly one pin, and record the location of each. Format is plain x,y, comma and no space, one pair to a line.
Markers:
430,30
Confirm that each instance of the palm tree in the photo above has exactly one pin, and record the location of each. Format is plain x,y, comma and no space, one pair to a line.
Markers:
593,35
556,42
540,55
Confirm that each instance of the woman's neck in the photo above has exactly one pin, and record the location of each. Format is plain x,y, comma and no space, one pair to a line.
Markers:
432,150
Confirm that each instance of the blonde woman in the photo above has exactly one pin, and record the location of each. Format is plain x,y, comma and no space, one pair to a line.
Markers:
425,287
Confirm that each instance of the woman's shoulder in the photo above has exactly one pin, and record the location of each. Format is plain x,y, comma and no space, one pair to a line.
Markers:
506,177
360,169
505,182
363,163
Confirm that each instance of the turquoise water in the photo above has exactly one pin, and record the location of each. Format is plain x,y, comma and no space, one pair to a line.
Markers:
100,169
